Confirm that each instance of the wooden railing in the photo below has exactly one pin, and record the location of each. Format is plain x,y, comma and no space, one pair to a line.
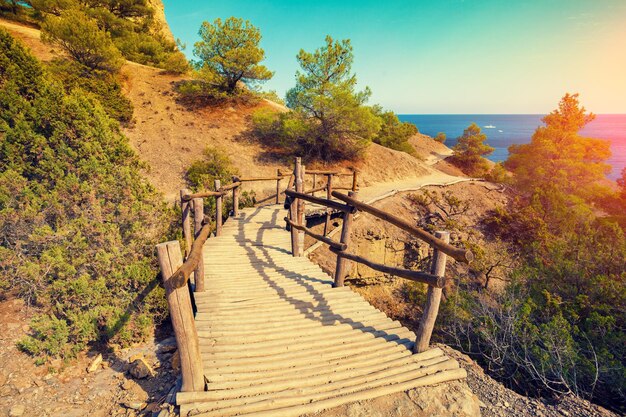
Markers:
176,273
349,205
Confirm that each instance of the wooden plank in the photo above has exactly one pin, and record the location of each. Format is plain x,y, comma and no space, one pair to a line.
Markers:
321,383
181,314
224,376
203,194
433,298
295,336
218,209
342,265
185,207
325,391
198,216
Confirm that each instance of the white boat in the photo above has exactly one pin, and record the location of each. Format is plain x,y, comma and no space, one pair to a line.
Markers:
489,127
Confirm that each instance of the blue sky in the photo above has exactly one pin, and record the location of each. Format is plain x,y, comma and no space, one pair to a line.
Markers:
448,56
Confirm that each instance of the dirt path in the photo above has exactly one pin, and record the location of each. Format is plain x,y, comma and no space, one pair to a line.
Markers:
381,191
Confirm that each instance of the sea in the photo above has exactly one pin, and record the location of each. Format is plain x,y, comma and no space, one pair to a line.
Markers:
503,130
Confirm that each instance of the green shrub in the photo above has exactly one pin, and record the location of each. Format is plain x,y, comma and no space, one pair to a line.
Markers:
199,93
78,220
130,25
82,39
216,165
329,121
229,53
49,337
101,84
498,174
470,150
394,134
176,63
441,137
271,95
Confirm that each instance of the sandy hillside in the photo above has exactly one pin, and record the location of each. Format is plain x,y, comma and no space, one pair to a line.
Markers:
169,136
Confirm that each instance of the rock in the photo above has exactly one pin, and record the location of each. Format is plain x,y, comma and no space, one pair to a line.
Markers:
175,361
95,364
167,345
163,413
17,410
140,369
135,405
3,379
451,399
128,384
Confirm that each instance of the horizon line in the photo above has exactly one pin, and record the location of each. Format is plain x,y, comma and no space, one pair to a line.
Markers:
496,114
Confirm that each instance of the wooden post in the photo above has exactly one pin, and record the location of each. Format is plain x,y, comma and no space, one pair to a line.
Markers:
314,183
198,216
294,210
218,209
329,190
186,211
235,198
181,314
343,265
278,174
301,212
354,176
433,298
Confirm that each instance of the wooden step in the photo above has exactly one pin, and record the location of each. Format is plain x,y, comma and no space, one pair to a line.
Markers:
277,340
291,398
344,378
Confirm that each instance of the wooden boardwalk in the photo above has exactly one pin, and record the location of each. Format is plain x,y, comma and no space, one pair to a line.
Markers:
277,340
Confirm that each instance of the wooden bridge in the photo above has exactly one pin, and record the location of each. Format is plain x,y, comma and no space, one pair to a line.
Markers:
264,331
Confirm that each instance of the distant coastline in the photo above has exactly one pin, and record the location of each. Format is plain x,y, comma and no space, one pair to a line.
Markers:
503,130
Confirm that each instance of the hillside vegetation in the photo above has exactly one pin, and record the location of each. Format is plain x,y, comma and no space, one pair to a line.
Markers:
78,219
131,28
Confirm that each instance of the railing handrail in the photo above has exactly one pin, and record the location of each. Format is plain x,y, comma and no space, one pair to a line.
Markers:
203,194
180,277
461,255
274,178
334,245
418,276
321,201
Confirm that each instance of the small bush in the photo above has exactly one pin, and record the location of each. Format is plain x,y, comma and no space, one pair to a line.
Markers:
216,165
49,337
441,137
470,150
198,93
394,134
176,63
271,96
294,135
82,39
101,84
498,174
